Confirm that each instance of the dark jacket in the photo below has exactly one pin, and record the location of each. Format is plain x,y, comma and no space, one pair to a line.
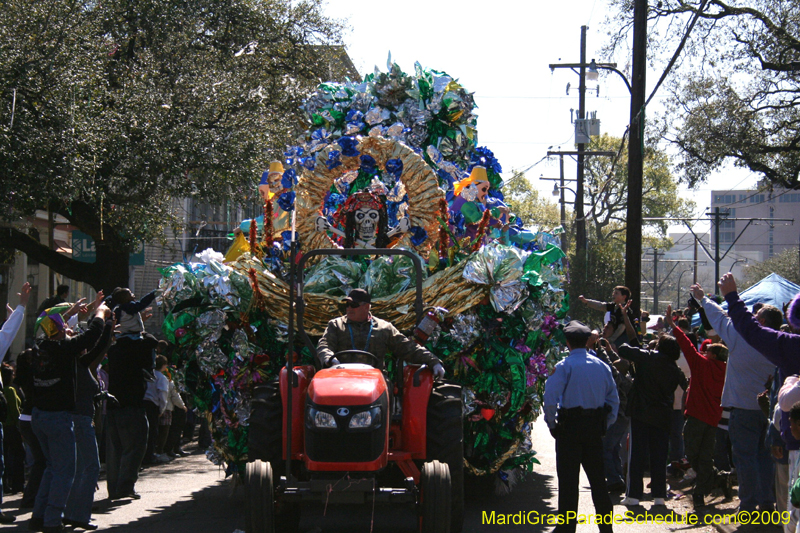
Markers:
130,361
87,384
54,368
657,377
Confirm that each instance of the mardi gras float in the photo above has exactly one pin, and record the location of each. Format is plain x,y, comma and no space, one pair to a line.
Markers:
390,162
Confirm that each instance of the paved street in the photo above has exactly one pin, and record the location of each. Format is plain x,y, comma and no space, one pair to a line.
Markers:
191,495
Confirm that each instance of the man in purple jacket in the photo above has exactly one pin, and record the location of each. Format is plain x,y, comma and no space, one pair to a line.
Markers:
780,348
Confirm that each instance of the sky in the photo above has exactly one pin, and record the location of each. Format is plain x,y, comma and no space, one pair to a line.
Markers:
501,50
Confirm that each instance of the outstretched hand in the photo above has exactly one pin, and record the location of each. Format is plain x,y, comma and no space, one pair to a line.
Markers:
668,317
727,284
697,292
24,294
582,299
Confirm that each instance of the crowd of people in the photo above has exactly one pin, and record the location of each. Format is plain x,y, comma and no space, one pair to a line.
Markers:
718,403
95,385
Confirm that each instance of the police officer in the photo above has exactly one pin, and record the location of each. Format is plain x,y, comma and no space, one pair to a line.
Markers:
580,402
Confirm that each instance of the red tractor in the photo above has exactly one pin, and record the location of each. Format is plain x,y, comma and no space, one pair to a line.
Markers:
398,442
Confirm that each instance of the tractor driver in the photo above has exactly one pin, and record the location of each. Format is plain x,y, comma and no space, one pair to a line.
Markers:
359,330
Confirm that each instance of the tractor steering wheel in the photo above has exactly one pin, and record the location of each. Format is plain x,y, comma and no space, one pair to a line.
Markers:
357,356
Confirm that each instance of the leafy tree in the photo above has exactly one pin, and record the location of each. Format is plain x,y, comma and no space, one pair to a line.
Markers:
525,202
606,206
736,98
607,192
112,109
785,264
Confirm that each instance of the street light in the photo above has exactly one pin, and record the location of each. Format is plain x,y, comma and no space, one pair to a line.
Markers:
592,74
738,261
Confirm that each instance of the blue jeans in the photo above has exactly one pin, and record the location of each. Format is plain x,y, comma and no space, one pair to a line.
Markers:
676,449
57,438
2,464
747,429
87,471
126,442
612,445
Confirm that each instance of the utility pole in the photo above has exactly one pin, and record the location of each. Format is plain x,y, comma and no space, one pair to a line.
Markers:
565,235
656,285
580,230
633,232
716,218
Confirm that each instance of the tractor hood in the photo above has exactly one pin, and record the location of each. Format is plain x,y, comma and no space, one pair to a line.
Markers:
347,384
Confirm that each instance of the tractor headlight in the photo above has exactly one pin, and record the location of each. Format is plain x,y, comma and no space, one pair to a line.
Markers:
361,420
323,420
366,419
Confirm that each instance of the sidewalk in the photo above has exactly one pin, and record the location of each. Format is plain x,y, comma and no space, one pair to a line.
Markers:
187,495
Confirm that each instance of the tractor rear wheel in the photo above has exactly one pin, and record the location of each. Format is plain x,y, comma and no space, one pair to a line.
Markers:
265,436
445,442
259,497
435,498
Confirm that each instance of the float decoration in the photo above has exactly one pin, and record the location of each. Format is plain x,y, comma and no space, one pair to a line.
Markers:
392,161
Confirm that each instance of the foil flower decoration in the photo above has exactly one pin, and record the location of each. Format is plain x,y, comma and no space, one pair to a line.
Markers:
465,329
536,367
348,145
286,200
500,267
333,159
549,324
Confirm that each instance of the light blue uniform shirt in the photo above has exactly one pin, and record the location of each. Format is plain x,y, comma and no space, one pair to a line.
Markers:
747,371
580,380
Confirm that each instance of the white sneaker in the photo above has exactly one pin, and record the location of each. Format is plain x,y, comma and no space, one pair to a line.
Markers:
658,501
161,458
629,502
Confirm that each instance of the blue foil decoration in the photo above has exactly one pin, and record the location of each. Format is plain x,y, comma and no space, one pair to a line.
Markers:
286,201
333,159
348,145
418,235
289,178
395,168
368,165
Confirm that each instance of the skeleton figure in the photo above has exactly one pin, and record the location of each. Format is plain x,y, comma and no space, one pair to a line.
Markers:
365,221
366,224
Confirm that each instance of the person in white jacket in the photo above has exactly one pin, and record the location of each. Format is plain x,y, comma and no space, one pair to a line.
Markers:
788,395
15,319
7,335
164,452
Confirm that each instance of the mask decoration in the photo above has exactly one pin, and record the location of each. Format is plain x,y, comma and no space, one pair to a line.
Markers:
270,184
366,223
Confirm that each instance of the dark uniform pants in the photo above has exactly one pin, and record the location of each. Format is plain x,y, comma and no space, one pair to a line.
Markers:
580,442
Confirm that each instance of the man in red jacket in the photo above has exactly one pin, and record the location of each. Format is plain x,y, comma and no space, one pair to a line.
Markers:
703,411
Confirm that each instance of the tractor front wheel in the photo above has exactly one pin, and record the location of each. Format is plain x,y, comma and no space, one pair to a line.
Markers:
259,497
435,499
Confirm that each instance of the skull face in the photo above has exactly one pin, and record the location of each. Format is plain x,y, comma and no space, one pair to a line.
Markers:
366,223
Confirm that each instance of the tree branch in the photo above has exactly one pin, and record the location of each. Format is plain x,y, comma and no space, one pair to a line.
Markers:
17,240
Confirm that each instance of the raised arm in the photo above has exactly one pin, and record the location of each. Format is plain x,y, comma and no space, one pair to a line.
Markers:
593,304
633,337
716,316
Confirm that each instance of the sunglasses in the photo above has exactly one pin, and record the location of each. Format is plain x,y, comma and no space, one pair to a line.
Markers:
354,305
